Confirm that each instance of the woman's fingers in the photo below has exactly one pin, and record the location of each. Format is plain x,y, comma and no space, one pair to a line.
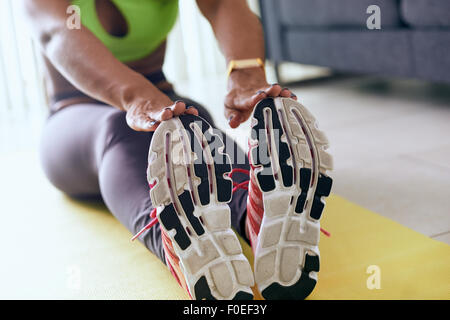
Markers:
239,104
178,108
258,97
236,117
140,122
163,115
150,125
286,93
238,109
233,117
274,90
191,110
146,118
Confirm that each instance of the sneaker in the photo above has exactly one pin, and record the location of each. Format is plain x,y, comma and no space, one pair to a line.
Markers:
288,181
190,188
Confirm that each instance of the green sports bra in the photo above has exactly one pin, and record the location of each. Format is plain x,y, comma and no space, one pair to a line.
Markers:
149,22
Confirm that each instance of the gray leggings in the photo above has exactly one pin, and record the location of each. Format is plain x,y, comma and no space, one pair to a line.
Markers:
89,152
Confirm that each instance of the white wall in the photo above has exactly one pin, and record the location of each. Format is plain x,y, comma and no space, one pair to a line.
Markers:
21,91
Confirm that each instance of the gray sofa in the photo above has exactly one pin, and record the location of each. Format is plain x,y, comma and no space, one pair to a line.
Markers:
414,40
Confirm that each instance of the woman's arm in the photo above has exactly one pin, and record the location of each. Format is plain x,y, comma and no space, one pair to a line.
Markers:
240,36
83,60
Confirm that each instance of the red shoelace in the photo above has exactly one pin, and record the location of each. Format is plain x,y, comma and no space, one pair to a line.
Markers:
148,226
244,185
236,186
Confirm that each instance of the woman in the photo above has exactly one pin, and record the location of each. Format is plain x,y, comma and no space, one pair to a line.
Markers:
108,95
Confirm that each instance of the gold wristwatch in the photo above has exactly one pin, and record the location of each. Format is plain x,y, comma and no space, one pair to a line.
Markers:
244,64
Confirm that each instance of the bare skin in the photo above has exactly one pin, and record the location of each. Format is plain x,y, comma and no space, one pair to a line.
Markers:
97,73
240,36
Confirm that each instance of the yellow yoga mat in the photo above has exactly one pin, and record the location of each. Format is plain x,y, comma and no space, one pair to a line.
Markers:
55,247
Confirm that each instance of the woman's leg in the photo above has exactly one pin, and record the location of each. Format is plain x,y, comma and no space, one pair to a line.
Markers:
89,151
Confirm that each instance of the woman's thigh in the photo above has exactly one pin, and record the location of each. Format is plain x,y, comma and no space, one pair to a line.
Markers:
71,145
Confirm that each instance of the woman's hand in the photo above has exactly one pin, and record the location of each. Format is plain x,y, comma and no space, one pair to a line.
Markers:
145,115
246,87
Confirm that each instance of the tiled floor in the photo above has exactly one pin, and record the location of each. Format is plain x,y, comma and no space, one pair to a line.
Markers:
390,141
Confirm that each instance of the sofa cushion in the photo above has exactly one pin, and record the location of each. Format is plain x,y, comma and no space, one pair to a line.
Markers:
430,54
386,52
335,13
429,13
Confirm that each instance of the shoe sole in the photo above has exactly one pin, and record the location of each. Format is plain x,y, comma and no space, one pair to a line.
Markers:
293,180
193,214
